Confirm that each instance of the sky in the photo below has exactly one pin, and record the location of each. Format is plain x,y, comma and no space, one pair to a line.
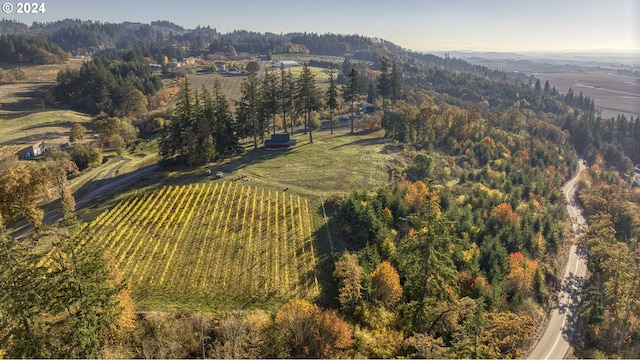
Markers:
419,25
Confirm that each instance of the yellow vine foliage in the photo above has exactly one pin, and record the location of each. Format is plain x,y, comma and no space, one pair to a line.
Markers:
126,322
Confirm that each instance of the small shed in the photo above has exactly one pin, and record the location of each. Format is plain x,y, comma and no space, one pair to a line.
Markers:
280,141
32,151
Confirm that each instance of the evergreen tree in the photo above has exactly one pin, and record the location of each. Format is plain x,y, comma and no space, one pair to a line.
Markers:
371,92
395,84
331,96
23,296
182,122
248,108
352,91
204,148
85,301
308,97
284,94
225,138
384,82
269,94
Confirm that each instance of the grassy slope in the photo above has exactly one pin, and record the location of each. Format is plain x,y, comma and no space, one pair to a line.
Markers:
24,118
51,126
333,164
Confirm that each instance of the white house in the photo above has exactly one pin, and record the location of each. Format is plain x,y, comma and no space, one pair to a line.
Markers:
286,63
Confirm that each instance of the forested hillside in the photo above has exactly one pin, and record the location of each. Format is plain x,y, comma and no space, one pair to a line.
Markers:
22,49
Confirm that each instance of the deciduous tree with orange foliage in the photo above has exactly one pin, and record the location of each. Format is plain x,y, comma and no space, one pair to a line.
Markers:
419,198
386,284
22,186
504,212
521,272
305,330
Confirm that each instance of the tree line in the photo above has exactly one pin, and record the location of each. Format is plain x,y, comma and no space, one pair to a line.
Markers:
608,326
113,84
203,127
24,49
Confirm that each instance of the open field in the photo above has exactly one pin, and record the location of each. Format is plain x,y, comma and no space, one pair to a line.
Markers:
230,84
222,245
51,126
333,164
612,93
594,76
44,73
24,116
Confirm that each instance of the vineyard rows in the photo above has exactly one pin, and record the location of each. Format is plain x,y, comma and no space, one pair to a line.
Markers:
221,243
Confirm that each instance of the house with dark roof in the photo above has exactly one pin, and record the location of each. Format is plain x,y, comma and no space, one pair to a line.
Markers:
280,141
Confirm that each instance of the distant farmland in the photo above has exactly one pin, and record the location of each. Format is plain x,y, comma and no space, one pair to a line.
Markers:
612,93
595,76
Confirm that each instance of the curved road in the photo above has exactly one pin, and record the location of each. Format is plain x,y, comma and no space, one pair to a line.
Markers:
86,199
120,181
556,339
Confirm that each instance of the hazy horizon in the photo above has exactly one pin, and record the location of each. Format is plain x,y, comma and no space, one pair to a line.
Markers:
486,26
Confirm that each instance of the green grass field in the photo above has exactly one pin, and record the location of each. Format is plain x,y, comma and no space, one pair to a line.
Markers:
50,126
333,164
24,116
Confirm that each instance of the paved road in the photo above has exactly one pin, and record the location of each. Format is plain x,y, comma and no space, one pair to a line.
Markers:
110,185
103,187
556,339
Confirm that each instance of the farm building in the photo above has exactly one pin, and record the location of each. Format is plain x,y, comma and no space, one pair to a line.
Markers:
280,141
32,151
368,108
286,64
221,65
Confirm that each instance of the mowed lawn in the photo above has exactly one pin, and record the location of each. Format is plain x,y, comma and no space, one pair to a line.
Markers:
338,163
